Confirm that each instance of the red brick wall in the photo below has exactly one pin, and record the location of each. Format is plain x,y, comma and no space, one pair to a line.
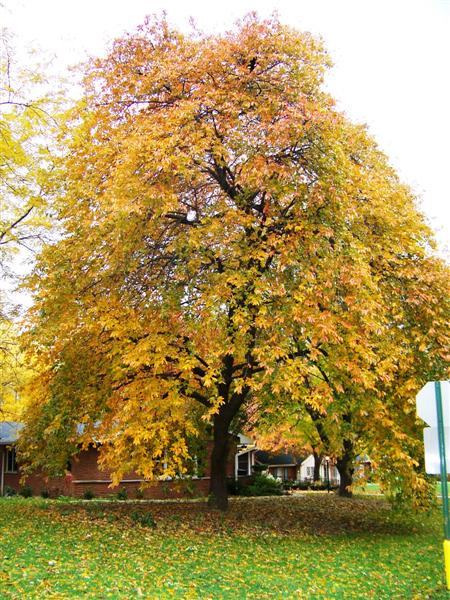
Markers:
85,475
85,465
157,490
38,482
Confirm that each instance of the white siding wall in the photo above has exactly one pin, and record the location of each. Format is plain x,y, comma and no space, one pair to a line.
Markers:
307,470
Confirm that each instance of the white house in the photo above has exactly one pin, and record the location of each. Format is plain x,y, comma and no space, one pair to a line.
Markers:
328,470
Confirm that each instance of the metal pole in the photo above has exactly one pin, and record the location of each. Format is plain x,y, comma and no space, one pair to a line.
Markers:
441,439
444,485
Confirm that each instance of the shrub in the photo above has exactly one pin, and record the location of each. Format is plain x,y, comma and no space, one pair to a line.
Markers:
145,519
26,491
264,485
122,494
235,487
88,494
9,491
289,485
259,469
304,485
139,494
188,487
45,494
315,486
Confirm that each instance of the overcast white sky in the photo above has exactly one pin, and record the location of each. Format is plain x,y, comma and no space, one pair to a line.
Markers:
391,64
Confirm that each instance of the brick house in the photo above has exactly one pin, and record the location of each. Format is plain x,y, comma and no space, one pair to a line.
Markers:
84,474
282,466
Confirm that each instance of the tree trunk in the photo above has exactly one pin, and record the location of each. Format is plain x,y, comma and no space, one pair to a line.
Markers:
345,467
218,491
317,461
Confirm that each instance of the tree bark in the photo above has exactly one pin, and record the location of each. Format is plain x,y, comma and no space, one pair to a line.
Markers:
345,467
218,491
317,461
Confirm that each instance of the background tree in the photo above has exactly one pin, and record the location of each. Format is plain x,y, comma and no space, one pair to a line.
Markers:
13,372
375,413
282,427
24,153
220,221
25,139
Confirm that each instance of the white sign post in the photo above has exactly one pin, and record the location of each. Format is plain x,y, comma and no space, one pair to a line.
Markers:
432,456
426,403
433,406
427,410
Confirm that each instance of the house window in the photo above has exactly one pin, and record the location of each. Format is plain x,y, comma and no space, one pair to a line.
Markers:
11,464
243,464
281,473
310,472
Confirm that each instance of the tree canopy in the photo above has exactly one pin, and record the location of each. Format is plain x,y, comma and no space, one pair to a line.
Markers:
229,240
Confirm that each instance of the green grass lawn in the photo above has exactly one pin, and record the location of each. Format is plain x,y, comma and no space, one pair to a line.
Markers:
314,546
374,488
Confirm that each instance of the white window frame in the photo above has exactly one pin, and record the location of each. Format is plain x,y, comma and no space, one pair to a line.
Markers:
10,457
248,465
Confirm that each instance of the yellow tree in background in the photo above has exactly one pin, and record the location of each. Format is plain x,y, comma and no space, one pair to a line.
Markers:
13,372
25,138
225,230
375,417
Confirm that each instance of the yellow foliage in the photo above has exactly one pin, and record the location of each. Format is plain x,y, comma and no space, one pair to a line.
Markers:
229,240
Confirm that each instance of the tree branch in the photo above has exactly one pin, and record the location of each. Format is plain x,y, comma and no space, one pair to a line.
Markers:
11,227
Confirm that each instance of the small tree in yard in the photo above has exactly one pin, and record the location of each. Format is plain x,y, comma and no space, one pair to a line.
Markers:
223,230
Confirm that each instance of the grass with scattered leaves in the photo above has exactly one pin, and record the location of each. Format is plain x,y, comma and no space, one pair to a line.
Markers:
311,546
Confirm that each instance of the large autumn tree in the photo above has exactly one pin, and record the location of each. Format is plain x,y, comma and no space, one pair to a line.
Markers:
220,221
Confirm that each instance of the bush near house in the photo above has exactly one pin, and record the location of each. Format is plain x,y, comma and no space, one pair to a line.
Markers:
314,486
26,491
259,484
264,485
